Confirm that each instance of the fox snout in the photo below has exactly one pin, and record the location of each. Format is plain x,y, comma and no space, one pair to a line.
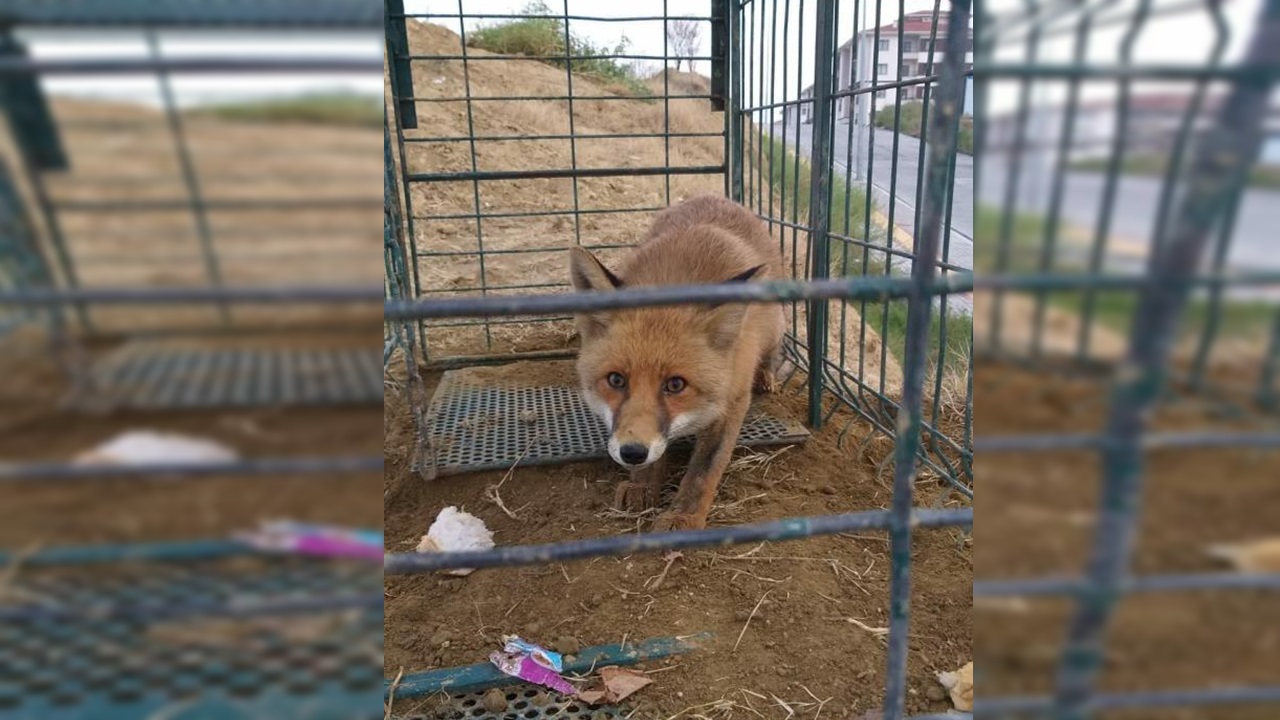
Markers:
634,453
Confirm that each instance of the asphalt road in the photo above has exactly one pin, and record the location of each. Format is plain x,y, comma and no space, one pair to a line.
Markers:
885,186
1136,206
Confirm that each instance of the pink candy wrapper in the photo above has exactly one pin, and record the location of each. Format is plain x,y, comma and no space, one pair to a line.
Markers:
527,669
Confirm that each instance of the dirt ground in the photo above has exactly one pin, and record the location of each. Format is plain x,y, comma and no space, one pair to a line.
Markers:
1035,518
49,512
799,646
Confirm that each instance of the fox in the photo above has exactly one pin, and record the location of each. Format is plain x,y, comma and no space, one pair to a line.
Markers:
656,374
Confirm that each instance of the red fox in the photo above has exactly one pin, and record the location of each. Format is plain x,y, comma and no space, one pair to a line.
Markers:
657,374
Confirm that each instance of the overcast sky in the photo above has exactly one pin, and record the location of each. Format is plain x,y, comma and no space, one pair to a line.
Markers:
204,88
1186,38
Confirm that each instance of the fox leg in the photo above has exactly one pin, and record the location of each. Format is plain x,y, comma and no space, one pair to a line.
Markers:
766,379
644,489
711,454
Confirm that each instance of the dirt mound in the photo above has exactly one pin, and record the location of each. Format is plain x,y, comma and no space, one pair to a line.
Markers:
526,254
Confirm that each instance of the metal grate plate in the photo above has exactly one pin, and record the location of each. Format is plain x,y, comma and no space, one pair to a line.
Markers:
524,702
491,424
128,666
155,376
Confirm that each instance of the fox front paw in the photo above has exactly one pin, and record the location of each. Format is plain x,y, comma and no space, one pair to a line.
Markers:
766,382
672,520
635,496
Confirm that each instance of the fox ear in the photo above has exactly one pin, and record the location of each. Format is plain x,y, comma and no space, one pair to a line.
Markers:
586,272
723,322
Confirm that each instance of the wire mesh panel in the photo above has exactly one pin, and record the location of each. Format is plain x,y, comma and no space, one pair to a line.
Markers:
832,147
1117,219
144,169
222,633
147,151
519,137
480,228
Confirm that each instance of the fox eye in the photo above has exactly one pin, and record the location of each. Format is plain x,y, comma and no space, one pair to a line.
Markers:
616,380
673,385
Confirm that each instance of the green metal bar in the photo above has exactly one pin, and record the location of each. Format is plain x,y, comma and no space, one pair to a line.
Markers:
1231,144
475,174
401,69
1102,233
478,175
566,136
666,102
733,123
190,175
31,122
573,140
1058,191
820,200
1267,382
907,444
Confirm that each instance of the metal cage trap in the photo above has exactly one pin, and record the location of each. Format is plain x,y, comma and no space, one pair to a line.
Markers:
876,298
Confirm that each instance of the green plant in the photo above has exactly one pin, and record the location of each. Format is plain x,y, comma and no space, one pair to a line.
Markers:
1113,309
540,36
912,114
1262,176
341,109
790,176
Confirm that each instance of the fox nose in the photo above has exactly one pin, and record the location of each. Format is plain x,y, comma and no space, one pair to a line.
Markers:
633,453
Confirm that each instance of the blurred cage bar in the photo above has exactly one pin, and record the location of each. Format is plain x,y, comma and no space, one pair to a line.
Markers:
467,285
189,262
1191,279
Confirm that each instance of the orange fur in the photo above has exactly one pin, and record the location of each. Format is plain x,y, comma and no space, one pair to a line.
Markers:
719,353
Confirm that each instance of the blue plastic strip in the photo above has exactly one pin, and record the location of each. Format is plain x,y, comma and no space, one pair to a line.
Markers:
483,676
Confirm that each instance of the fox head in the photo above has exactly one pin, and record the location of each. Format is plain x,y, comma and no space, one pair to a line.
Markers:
653,374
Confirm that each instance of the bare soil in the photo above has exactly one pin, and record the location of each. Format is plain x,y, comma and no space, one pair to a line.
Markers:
1039,520
53,512
799,647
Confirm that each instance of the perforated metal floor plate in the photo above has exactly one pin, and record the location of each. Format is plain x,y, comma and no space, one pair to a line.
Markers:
116,665
481,422
523,702
156,375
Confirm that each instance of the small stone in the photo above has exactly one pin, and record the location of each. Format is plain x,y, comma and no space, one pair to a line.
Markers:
495,701
770,644
828,490
532,628
741,615
566,645
935,693
570,658
597,599
441,638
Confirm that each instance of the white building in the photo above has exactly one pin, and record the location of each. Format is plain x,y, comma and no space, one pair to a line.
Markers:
857,56
865,61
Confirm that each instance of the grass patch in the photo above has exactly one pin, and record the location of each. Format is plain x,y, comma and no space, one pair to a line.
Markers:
1260,176
912,115
344,110
1114,309
849,218
542,36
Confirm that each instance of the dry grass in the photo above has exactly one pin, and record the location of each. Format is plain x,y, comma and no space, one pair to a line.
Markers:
124,156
